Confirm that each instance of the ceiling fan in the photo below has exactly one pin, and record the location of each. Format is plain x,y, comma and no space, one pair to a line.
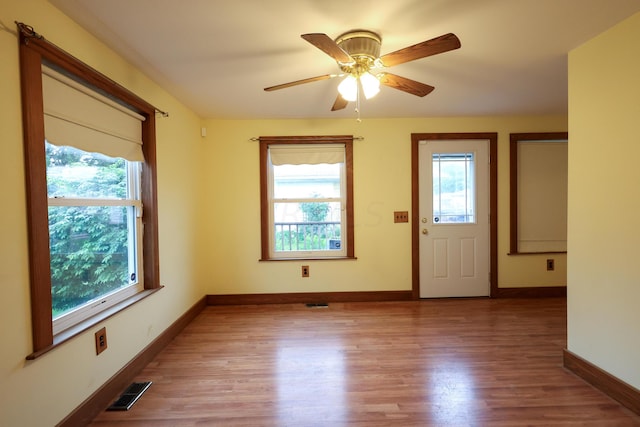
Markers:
358,56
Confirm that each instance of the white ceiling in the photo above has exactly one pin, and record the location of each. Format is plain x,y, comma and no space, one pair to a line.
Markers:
216,56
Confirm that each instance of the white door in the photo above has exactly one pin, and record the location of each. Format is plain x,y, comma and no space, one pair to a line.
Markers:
454,218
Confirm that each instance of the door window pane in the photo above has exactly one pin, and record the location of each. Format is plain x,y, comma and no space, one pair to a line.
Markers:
453,188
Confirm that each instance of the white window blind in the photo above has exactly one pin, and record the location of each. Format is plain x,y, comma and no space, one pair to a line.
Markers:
309,154
77,116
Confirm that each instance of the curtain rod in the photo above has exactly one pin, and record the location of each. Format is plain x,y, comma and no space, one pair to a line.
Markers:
30,34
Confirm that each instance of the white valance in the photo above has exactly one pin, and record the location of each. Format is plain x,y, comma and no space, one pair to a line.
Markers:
77,116
306,154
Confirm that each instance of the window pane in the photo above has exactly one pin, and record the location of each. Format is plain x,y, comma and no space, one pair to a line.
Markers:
74,173
306,181
453,188
307,226
90,253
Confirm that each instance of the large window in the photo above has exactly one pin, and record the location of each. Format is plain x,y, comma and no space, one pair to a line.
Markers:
306,198
90,169
94,232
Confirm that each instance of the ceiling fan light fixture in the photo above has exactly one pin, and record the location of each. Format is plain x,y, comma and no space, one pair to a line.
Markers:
370,85
348,88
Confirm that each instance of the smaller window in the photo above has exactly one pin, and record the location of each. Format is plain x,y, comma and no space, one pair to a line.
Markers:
306,199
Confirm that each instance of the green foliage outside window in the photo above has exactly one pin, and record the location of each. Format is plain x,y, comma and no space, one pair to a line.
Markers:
314,212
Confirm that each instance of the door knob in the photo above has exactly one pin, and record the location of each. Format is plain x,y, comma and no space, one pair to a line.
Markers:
425,231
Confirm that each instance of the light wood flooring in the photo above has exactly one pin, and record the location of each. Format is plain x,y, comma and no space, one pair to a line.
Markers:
451,362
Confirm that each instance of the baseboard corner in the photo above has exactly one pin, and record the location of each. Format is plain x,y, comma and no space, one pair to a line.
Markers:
624,393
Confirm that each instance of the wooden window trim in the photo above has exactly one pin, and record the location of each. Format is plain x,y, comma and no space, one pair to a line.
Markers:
264,202
33,50
514,139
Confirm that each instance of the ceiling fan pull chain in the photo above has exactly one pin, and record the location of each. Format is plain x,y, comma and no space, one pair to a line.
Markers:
358,119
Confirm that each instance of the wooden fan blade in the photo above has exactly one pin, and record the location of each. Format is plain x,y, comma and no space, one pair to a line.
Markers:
299,82
328,46
434,46
339,104
406,85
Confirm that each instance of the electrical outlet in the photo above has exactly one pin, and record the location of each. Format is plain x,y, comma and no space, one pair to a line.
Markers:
551,265
305,271
101,340
401,216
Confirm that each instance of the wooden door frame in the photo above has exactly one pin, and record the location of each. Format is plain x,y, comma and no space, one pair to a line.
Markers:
492,137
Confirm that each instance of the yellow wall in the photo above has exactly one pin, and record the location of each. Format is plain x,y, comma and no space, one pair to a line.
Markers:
44,391
209,221
382,184
604,201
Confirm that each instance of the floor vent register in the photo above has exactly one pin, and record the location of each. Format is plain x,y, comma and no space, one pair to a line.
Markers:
318,305
129,396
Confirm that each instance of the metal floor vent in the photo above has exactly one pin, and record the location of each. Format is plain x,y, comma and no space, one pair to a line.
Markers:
129,396
318,305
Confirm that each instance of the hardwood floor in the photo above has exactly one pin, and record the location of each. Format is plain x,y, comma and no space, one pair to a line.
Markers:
453,362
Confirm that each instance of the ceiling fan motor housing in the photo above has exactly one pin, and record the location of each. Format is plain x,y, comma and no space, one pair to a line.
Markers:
363,46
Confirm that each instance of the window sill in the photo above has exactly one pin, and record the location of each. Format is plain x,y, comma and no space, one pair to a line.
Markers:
81,327
337,258
536,253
